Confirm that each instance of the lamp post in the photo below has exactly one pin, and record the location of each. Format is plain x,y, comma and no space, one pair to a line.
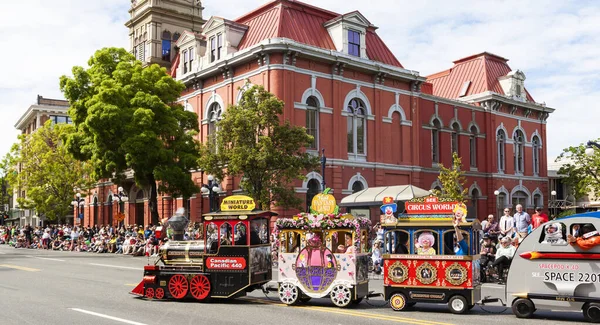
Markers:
121,198
323,162
78,203
212,188
589,151
496,193
554,207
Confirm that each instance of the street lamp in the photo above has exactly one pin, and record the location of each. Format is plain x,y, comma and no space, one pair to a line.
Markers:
589,150
212,188
496,193
323,162
554,205
78,203
120,197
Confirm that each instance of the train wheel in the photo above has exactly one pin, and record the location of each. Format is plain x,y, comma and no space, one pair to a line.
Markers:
200,287
149,293
591,312
178,286
458,304
523,308
398,302
288,293
159,293
341,296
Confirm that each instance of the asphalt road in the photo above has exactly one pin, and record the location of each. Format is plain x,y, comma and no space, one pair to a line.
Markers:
48,287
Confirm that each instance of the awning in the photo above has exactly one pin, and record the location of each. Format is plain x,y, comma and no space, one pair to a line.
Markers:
374,195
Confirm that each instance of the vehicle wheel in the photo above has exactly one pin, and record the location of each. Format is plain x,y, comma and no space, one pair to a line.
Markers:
591,312
523,308
458,304
159,293
341,296
149,293
398,302
200,287
288,293
178,286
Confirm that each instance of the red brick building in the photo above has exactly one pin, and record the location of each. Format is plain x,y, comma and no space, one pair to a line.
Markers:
379,123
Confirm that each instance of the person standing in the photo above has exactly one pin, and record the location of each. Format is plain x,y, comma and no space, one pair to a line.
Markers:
507,224
522,221
538,218
491,229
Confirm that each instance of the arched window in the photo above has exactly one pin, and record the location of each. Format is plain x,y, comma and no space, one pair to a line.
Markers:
357,186
536,155
519,197
109,204
474,199
313,189
501,139
537,200
214,115
454,143
96,216
519,144
166,46
501,204
356,127
435,141
312,120
473,146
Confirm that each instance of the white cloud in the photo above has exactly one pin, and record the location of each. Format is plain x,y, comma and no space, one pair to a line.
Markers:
554,43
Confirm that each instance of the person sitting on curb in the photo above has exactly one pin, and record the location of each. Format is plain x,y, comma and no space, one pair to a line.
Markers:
504,257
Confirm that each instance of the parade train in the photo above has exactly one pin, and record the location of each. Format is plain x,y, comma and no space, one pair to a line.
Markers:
430,255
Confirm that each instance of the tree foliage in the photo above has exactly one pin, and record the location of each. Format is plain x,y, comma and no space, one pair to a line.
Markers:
48,173
126,118
453,180
7,176
252,143
581,172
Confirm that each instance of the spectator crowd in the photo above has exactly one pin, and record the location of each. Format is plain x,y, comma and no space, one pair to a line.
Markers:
127,240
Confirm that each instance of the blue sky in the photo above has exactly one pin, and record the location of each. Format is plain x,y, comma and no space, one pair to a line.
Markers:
555,43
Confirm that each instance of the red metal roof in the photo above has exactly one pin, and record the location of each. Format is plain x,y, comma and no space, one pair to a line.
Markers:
482,70
303,23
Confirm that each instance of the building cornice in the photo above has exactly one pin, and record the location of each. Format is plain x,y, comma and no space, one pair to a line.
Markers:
490,95
39,109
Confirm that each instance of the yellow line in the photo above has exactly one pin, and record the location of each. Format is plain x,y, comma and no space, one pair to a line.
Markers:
131,284
22,268
357,314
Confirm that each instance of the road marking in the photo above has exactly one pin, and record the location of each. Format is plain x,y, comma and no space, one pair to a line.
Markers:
107,316
22,268
131,284
47,258
356,313
118,266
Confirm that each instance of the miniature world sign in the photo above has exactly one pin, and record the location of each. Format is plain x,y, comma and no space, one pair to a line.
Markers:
430,205
238,203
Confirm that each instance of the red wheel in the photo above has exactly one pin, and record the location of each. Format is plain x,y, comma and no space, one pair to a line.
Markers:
149,293
200,287
178,286
159,293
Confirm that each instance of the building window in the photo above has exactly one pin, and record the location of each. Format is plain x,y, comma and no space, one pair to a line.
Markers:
473,146
312,122
501,139
219,45
353,43
537,200
214,115
435,141
356,127
536,155
185,61
357,187
519,197
166,46
191,50
501,205
474,199
313,189
213,48
56,119
454,142
519,144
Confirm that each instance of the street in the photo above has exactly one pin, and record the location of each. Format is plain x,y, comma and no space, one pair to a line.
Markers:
54,287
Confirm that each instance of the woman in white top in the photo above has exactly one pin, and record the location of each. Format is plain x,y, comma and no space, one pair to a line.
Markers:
504,256
507,224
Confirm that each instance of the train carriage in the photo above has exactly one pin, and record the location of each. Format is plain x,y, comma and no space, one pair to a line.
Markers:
431,256
233,258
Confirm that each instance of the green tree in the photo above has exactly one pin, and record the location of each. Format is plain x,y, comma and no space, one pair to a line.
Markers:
582,172
126,118
252,143
453,180
6,174
48,173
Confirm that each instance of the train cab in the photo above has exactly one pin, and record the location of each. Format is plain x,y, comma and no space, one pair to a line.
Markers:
233,258
431,256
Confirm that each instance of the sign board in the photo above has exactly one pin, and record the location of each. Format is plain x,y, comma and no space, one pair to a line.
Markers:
226,263
237,203
430,205
323,203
